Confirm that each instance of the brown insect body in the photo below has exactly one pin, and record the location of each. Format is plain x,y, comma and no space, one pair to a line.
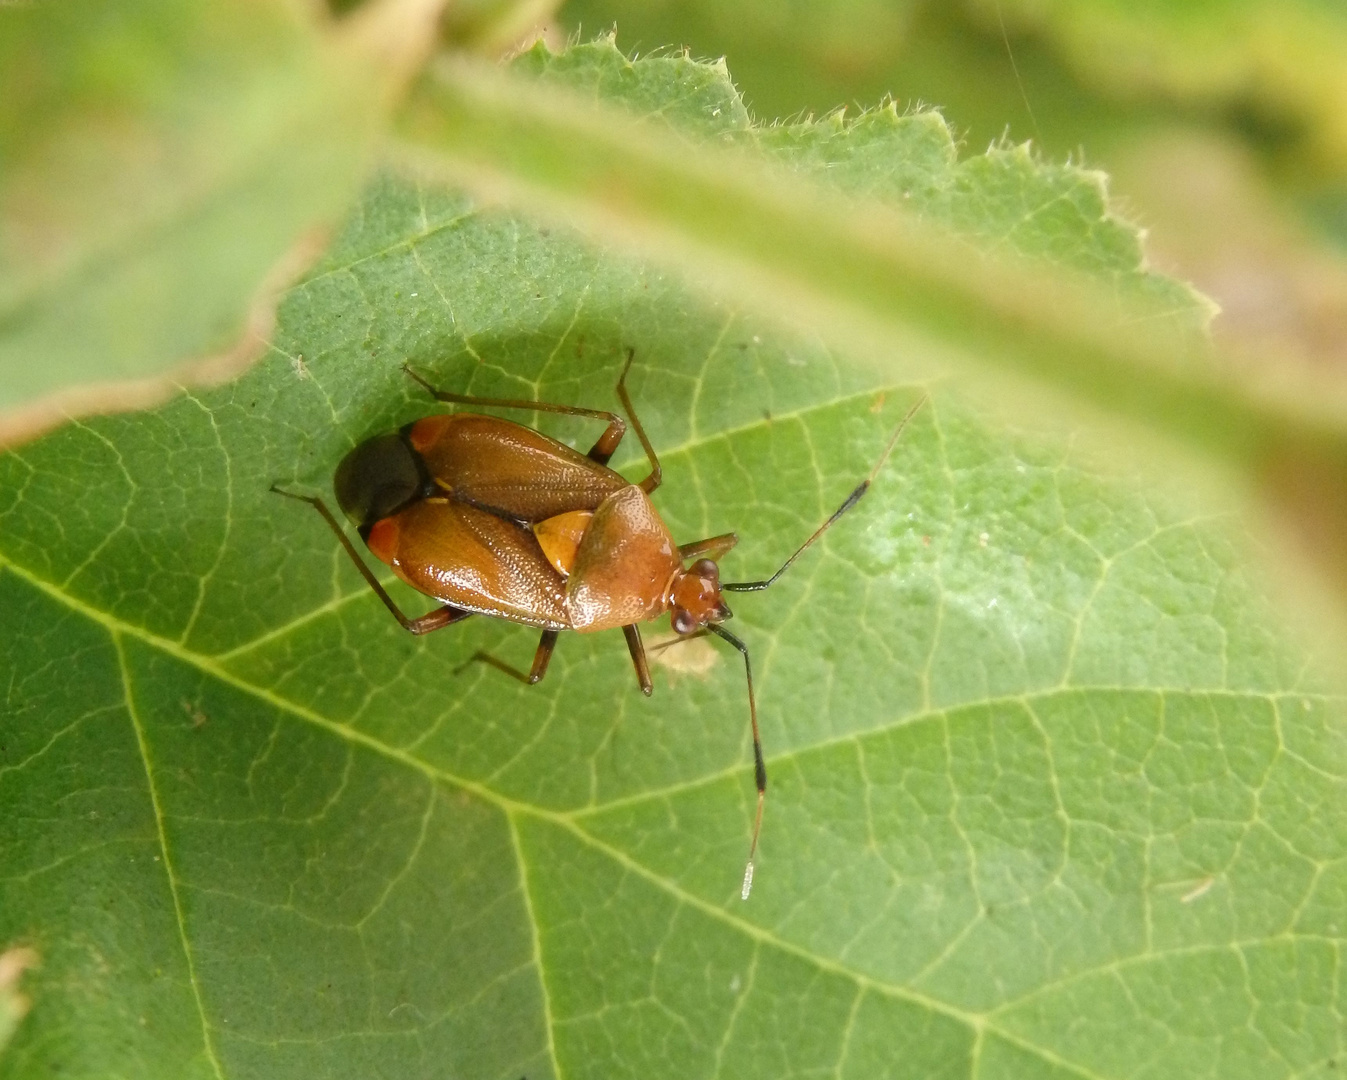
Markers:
493,518
510,469
523,527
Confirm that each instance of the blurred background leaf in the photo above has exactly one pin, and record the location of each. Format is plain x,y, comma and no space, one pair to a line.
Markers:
1247,60
164,168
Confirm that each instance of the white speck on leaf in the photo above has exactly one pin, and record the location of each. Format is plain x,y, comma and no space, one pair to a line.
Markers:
1200,890
694,656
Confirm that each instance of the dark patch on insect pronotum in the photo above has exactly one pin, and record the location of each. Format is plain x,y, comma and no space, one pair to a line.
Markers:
493,518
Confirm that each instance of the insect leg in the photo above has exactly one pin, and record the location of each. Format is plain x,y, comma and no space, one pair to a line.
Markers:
424,624
712,547
759,766
541,658
850,501
601,450
637,650
651,482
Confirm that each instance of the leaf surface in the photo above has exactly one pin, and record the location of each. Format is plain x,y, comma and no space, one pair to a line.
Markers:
1052,794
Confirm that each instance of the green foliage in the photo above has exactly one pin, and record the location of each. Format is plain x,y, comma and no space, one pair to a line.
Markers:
1005,198
1276,60
160,158
1052,793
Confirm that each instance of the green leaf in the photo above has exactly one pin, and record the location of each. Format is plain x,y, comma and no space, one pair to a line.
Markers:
161,159
1052,792
1276,60
1006,197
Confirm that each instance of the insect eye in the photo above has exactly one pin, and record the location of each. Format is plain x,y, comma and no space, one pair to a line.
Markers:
683,623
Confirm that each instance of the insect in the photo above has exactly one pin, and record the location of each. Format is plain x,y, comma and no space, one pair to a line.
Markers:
493,518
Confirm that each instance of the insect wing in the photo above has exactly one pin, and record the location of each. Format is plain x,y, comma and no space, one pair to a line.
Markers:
473,560
508,468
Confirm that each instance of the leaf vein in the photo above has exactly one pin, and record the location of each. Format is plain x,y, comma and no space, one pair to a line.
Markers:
208,1043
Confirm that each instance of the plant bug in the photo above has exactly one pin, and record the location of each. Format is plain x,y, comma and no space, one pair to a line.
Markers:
493,518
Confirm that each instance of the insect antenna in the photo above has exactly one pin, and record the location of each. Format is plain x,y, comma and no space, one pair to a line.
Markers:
759,767
850,501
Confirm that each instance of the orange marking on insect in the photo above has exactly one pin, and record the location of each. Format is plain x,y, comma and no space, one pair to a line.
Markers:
426,432
560,537
383,540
